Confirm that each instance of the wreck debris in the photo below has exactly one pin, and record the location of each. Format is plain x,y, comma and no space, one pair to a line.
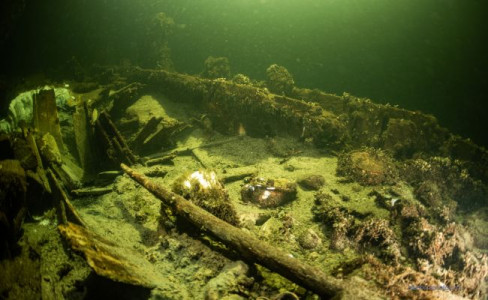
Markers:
205,190
84,137
200,156
45,115
158,128
251,248
269,193
163,134
91,191
260,112
279,80
145,132
122,98
39,165
64,208
368,167
118,263
116,147
165,160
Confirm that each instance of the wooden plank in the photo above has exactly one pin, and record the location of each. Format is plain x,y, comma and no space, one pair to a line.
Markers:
45,115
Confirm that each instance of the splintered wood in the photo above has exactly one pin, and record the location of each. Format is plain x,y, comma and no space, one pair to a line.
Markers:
116,262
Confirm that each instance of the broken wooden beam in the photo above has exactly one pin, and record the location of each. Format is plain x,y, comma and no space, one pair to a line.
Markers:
116,147
251,248
145,132
65,209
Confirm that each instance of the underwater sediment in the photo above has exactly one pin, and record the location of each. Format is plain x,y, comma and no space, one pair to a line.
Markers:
340,196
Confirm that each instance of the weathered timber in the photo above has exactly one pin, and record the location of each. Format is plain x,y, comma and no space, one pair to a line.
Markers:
123,98
252,249
84,138
118,263
163,134
259,111
115,145
145,132
328,120
45,115
92,191
167,159
40,168
65,209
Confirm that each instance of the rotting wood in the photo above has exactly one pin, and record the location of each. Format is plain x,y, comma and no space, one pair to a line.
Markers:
251,248
84,138
124,97
163,134
40,167
116,147
167,159
118,263
45,115
66,210
145,132
259,111
91,191
329,121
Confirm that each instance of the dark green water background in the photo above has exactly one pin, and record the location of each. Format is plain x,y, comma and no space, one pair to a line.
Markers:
427,55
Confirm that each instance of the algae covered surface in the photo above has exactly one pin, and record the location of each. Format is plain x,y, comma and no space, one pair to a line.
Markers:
379,201
393,227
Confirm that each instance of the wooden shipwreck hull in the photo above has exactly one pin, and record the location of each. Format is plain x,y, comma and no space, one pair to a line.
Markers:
326,120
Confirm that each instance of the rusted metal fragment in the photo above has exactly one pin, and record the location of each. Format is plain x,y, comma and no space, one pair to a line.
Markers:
118,263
